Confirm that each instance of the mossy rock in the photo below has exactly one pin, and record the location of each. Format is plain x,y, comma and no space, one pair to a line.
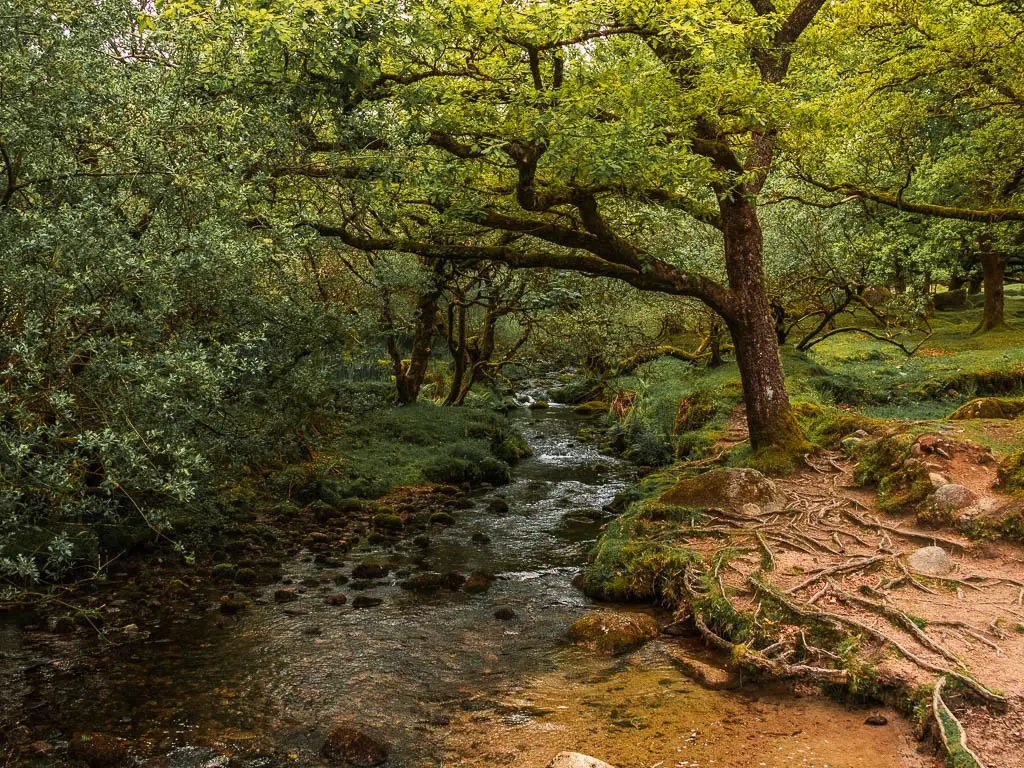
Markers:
223,571
613,632
442,518
348,746
539,405
369,569
246,576
637,560
987,408
388,522
726,487
591,408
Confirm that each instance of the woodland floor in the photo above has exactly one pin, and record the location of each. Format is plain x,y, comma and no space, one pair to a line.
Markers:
836,560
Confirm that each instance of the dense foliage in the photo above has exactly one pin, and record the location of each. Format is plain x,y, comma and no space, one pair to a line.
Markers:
234,232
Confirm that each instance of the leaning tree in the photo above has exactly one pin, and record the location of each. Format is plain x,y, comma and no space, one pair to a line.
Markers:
620,140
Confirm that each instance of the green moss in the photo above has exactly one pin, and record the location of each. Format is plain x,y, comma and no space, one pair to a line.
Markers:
904,489
388,522
1011,473
416,444
223,571
592,408
697,410
637,560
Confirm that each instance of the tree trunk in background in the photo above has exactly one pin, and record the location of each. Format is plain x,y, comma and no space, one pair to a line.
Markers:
457,347
769,416
409,375
993,265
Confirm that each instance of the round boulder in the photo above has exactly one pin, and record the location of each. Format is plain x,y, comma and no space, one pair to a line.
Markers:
613,633
728,487
954,497
930,561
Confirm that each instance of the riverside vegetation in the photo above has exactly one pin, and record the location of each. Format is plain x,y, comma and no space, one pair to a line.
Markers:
294,285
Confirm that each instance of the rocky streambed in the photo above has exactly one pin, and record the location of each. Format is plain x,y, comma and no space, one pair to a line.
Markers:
390,656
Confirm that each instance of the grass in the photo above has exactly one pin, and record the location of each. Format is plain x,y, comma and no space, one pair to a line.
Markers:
850,371
412,445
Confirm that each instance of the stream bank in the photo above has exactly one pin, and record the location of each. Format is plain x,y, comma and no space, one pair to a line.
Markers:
436,677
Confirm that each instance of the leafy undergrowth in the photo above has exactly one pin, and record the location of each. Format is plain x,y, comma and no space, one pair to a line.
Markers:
420,444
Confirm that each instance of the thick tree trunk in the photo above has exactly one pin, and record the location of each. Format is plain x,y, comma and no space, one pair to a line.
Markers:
769,417
993,267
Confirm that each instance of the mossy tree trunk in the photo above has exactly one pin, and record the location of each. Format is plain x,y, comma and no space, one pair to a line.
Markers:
770,419
409,374
993,265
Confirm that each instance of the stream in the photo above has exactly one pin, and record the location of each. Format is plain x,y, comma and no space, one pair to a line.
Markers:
438,678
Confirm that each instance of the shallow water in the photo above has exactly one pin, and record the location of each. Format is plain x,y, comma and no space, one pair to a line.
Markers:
436,677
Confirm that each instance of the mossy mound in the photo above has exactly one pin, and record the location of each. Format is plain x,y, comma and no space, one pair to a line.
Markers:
638,560
612,632
1011,473
987,408
592,408
696,411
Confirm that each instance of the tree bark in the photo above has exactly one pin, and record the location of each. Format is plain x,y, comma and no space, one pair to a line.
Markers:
409,374
993,265
457,347
769,418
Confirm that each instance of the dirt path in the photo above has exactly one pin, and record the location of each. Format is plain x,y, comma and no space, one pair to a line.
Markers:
835,565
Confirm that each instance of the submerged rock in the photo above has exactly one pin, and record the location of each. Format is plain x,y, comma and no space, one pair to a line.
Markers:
348,747
504,614
99,750
706,675
424,582
592,408
577,760
725,487
930,561
612,632
369,570
477,582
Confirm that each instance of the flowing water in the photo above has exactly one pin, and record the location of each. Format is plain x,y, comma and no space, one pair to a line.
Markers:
437,677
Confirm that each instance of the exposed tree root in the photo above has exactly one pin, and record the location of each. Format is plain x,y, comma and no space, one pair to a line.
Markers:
952,733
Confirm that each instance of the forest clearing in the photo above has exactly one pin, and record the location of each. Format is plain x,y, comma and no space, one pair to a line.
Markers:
472,383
